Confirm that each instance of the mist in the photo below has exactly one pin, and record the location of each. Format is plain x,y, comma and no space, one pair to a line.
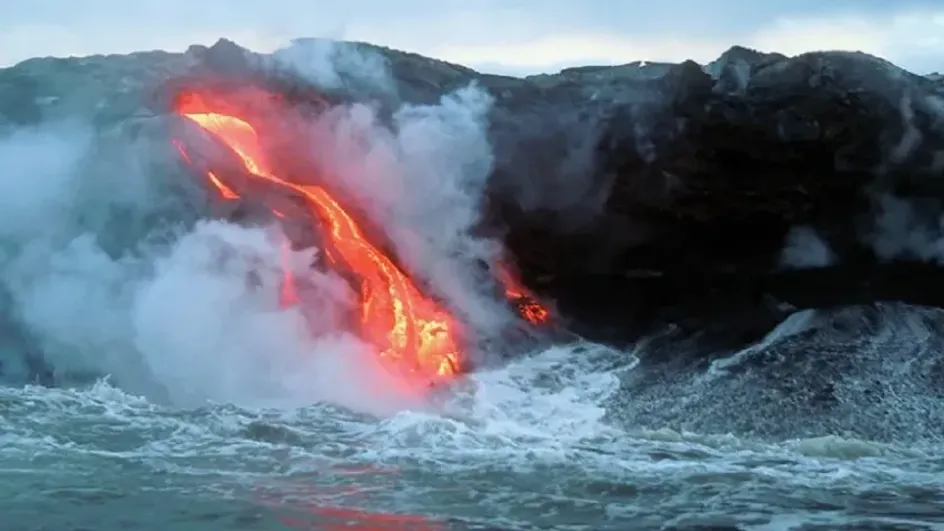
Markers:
109,270
805,249
903,229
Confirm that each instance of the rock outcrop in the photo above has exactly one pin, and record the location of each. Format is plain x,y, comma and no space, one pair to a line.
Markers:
646,193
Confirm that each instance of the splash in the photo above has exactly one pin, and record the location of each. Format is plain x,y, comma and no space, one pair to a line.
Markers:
415,336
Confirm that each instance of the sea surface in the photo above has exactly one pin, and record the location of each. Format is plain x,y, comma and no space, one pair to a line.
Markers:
531,446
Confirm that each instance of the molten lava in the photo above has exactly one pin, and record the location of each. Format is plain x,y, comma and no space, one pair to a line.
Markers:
528,307
415,335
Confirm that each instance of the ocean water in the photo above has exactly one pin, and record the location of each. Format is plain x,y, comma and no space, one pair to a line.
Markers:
530,446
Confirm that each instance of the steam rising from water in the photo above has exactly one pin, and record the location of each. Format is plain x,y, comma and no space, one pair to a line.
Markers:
189,314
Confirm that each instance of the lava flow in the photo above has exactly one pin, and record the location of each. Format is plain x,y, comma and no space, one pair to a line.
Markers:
528,307
415,335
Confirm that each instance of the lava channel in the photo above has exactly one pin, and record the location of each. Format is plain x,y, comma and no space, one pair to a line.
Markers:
415,335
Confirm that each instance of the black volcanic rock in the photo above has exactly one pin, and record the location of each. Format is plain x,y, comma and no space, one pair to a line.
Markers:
638,194
734,69
708,174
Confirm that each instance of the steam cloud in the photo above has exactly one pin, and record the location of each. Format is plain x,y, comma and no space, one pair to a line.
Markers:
899,228
806,249
188,312
901,231
905,228
422,177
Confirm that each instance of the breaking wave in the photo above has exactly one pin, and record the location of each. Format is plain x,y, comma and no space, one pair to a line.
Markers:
531,444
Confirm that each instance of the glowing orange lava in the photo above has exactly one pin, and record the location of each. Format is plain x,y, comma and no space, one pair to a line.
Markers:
415,336
528,307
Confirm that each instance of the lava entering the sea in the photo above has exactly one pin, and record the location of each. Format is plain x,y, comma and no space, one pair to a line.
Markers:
415,335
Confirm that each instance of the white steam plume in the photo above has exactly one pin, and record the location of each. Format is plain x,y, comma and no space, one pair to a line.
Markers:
36,183
421,176
196,319
191,322
334,65
900,232
805,249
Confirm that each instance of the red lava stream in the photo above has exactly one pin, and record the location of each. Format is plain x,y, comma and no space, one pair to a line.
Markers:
416,337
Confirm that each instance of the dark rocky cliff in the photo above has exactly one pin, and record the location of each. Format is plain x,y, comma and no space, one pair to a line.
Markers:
715,197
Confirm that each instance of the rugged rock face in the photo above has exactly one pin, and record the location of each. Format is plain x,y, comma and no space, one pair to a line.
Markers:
645,194
711,169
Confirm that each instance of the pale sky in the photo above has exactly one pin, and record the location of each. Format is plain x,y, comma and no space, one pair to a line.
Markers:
504,36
